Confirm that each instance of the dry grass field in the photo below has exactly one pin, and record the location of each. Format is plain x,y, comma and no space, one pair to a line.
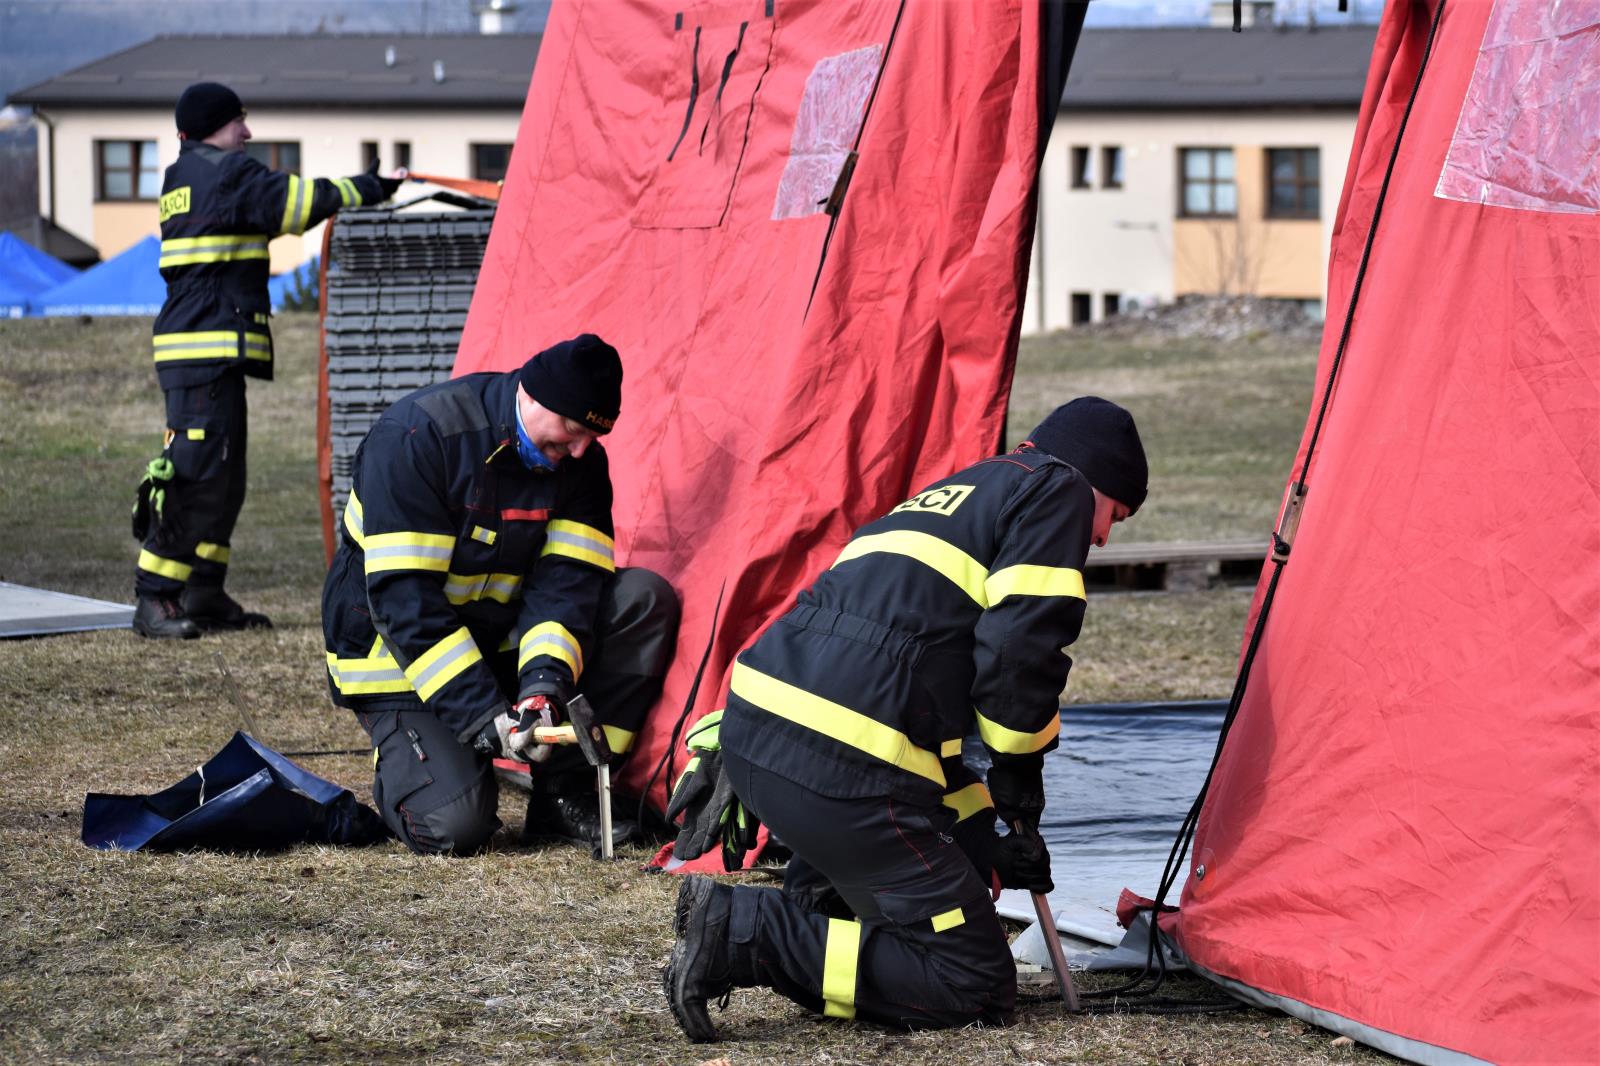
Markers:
520,954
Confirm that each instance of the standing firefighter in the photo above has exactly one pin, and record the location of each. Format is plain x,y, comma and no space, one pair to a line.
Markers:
474,593
946,617
219,208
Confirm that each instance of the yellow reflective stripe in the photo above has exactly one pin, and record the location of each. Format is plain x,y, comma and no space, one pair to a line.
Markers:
974,799
377,673
574,540
437,666
352,518
555,640
214,553
165,567
195,434
1014,742
198,344
408,551
463,588
620,740
296,205
218,248
1029,580
349,195
948,920
950,748
834,720
257,346
839,962
486,536
940,555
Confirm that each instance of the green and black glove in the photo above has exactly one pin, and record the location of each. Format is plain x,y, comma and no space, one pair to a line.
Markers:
150,498
712,814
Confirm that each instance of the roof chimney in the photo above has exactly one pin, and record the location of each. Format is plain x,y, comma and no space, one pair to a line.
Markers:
494,15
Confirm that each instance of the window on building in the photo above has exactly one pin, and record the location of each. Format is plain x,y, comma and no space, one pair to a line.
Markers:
1294,188
276,155
402,154
490,161
1111,166
1110,304
1082,308
1080,166
1206,183
127,170
369,152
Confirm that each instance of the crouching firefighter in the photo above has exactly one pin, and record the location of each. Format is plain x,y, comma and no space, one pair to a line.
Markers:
843,732
474,593
219,208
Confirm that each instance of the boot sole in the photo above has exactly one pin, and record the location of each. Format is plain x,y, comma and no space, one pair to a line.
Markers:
150,634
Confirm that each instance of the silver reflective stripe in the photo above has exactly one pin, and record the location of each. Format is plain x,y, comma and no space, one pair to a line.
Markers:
599,547
507,587
393,673
465,587
422,680
407,551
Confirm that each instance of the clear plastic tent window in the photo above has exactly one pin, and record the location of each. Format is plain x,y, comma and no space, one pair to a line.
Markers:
831,109
1529,132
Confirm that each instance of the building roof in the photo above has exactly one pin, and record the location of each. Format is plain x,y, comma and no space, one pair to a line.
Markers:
1167,68
1194,67
355,70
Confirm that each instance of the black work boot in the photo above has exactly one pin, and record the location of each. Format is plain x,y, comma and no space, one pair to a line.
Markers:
210,608
699,969
573,817
161,618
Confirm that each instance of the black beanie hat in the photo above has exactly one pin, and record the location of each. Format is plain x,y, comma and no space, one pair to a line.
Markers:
580,379
205,107
1099,438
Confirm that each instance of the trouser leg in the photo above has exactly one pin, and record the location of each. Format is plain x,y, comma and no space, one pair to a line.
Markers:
213,549
637,631
925,950
435,793
201,422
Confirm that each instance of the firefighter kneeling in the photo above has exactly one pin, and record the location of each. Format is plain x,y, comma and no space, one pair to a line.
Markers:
843,733
474,592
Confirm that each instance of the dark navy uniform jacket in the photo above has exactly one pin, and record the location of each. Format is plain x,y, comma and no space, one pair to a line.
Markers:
453,551
218,210
951,614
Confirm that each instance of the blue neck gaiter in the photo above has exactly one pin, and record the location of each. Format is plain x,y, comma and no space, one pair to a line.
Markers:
529,453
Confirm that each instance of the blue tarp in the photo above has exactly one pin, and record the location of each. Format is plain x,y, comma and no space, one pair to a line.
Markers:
130,284
25,272
283,286
247,797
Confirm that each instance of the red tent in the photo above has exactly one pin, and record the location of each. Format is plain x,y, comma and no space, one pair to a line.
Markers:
1403,837
806,336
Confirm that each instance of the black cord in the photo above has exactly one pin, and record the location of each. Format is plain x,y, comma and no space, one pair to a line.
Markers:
1155,959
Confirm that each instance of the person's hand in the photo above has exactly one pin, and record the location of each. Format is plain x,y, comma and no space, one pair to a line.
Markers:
1022,861
532,712
493,739
712,815
1017,787
391,185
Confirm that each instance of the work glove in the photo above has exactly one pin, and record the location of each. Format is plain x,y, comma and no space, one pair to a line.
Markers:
1016,784
390,185
712,814
150,499
530,713
494,738
1022,861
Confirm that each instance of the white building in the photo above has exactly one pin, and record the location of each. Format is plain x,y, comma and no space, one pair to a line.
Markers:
317,106
1194,160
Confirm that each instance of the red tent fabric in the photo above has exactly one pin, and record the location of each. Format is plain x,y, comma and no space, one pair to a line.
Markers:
1404,828
668,191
